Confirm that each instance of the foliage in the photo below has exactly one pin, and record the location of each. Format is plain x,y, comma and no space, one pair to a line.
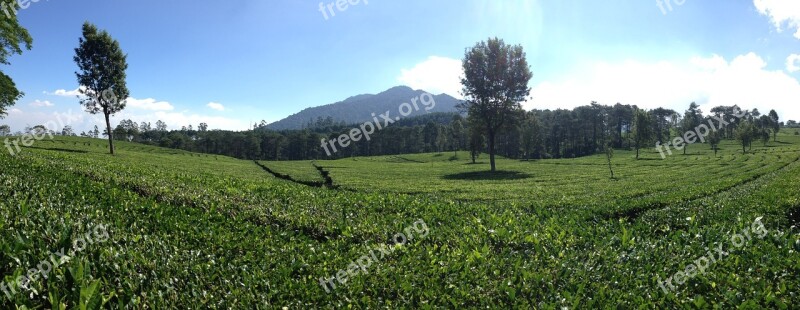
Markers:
495,82
216,232
13,38
102,66
745,134
642,129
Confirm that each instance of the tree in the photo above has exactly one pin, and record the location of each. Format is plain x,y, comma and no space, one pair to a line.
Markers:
692,118
145,127
764,135
714,139
476,142
531,136
642,129
161,126
67,131
495,82
203,127
745,134
5,130
102,68
13,38
127,129
610,154
776,124
661,123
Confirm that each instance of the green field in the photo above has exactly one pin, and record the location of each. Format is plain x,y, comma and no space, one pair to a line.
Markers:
190,230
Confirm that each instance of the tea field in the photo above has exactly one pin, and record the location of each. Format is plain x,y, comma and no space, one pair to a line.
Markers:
197,231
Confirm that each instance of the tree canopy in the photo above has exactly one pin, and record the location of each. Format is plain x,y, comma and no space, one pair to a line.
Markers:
102,75
13,38
495,82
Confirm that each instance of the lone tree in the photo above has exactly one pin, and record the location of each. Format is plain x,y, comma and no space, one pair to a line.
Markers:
609,148
102,68
495,82
13,38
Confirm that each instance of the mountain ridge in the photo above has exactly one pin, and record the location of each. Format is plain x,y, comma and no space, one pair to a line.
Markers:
359,108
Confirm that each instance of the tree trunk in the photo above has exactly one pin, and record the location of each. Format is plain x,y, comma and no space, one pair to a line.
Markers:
491,150
110,133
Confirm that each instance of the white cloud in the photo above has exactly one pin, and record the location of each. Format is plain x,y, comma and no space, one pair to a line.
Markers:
149,104
175,120
52,120
68,93
710,82
138,110
435,75
793,63
144,104
216,106
40,103
781,12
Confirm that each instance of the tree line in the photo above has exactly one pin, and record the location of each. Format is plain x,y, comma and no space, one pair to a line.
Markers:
536,134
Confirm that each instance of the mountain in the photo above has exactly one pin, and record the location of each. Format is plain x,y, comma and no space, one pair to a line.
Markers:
359,109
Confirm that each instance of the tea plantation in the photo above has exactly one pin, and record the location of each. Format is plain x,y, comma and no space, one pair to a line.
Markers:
196,231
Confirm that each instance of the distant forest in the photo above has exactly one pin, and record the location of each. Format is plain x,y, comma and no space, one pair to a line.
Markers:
537,134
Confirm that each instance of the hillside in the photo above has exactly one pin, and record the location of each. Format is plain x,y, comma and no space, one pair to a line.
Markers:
216,232
359,108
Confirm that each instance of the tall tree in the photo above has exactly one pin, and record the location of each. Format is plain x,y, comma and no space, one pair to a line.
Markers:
714,139
102,75
496,77
13,38
457,132
531,136
609,155
692,118
476,142
642,129
661,122
776,123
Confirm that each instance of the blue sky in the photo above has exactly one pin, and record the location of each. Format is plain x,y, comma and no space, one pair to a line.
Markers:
230,63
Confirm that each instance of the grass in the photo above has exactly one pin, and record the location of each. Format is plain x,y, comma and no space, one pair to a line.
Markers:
216,232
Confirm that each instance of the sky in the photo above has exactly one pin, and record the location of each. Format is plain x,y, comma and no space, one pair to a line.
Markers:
233,63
